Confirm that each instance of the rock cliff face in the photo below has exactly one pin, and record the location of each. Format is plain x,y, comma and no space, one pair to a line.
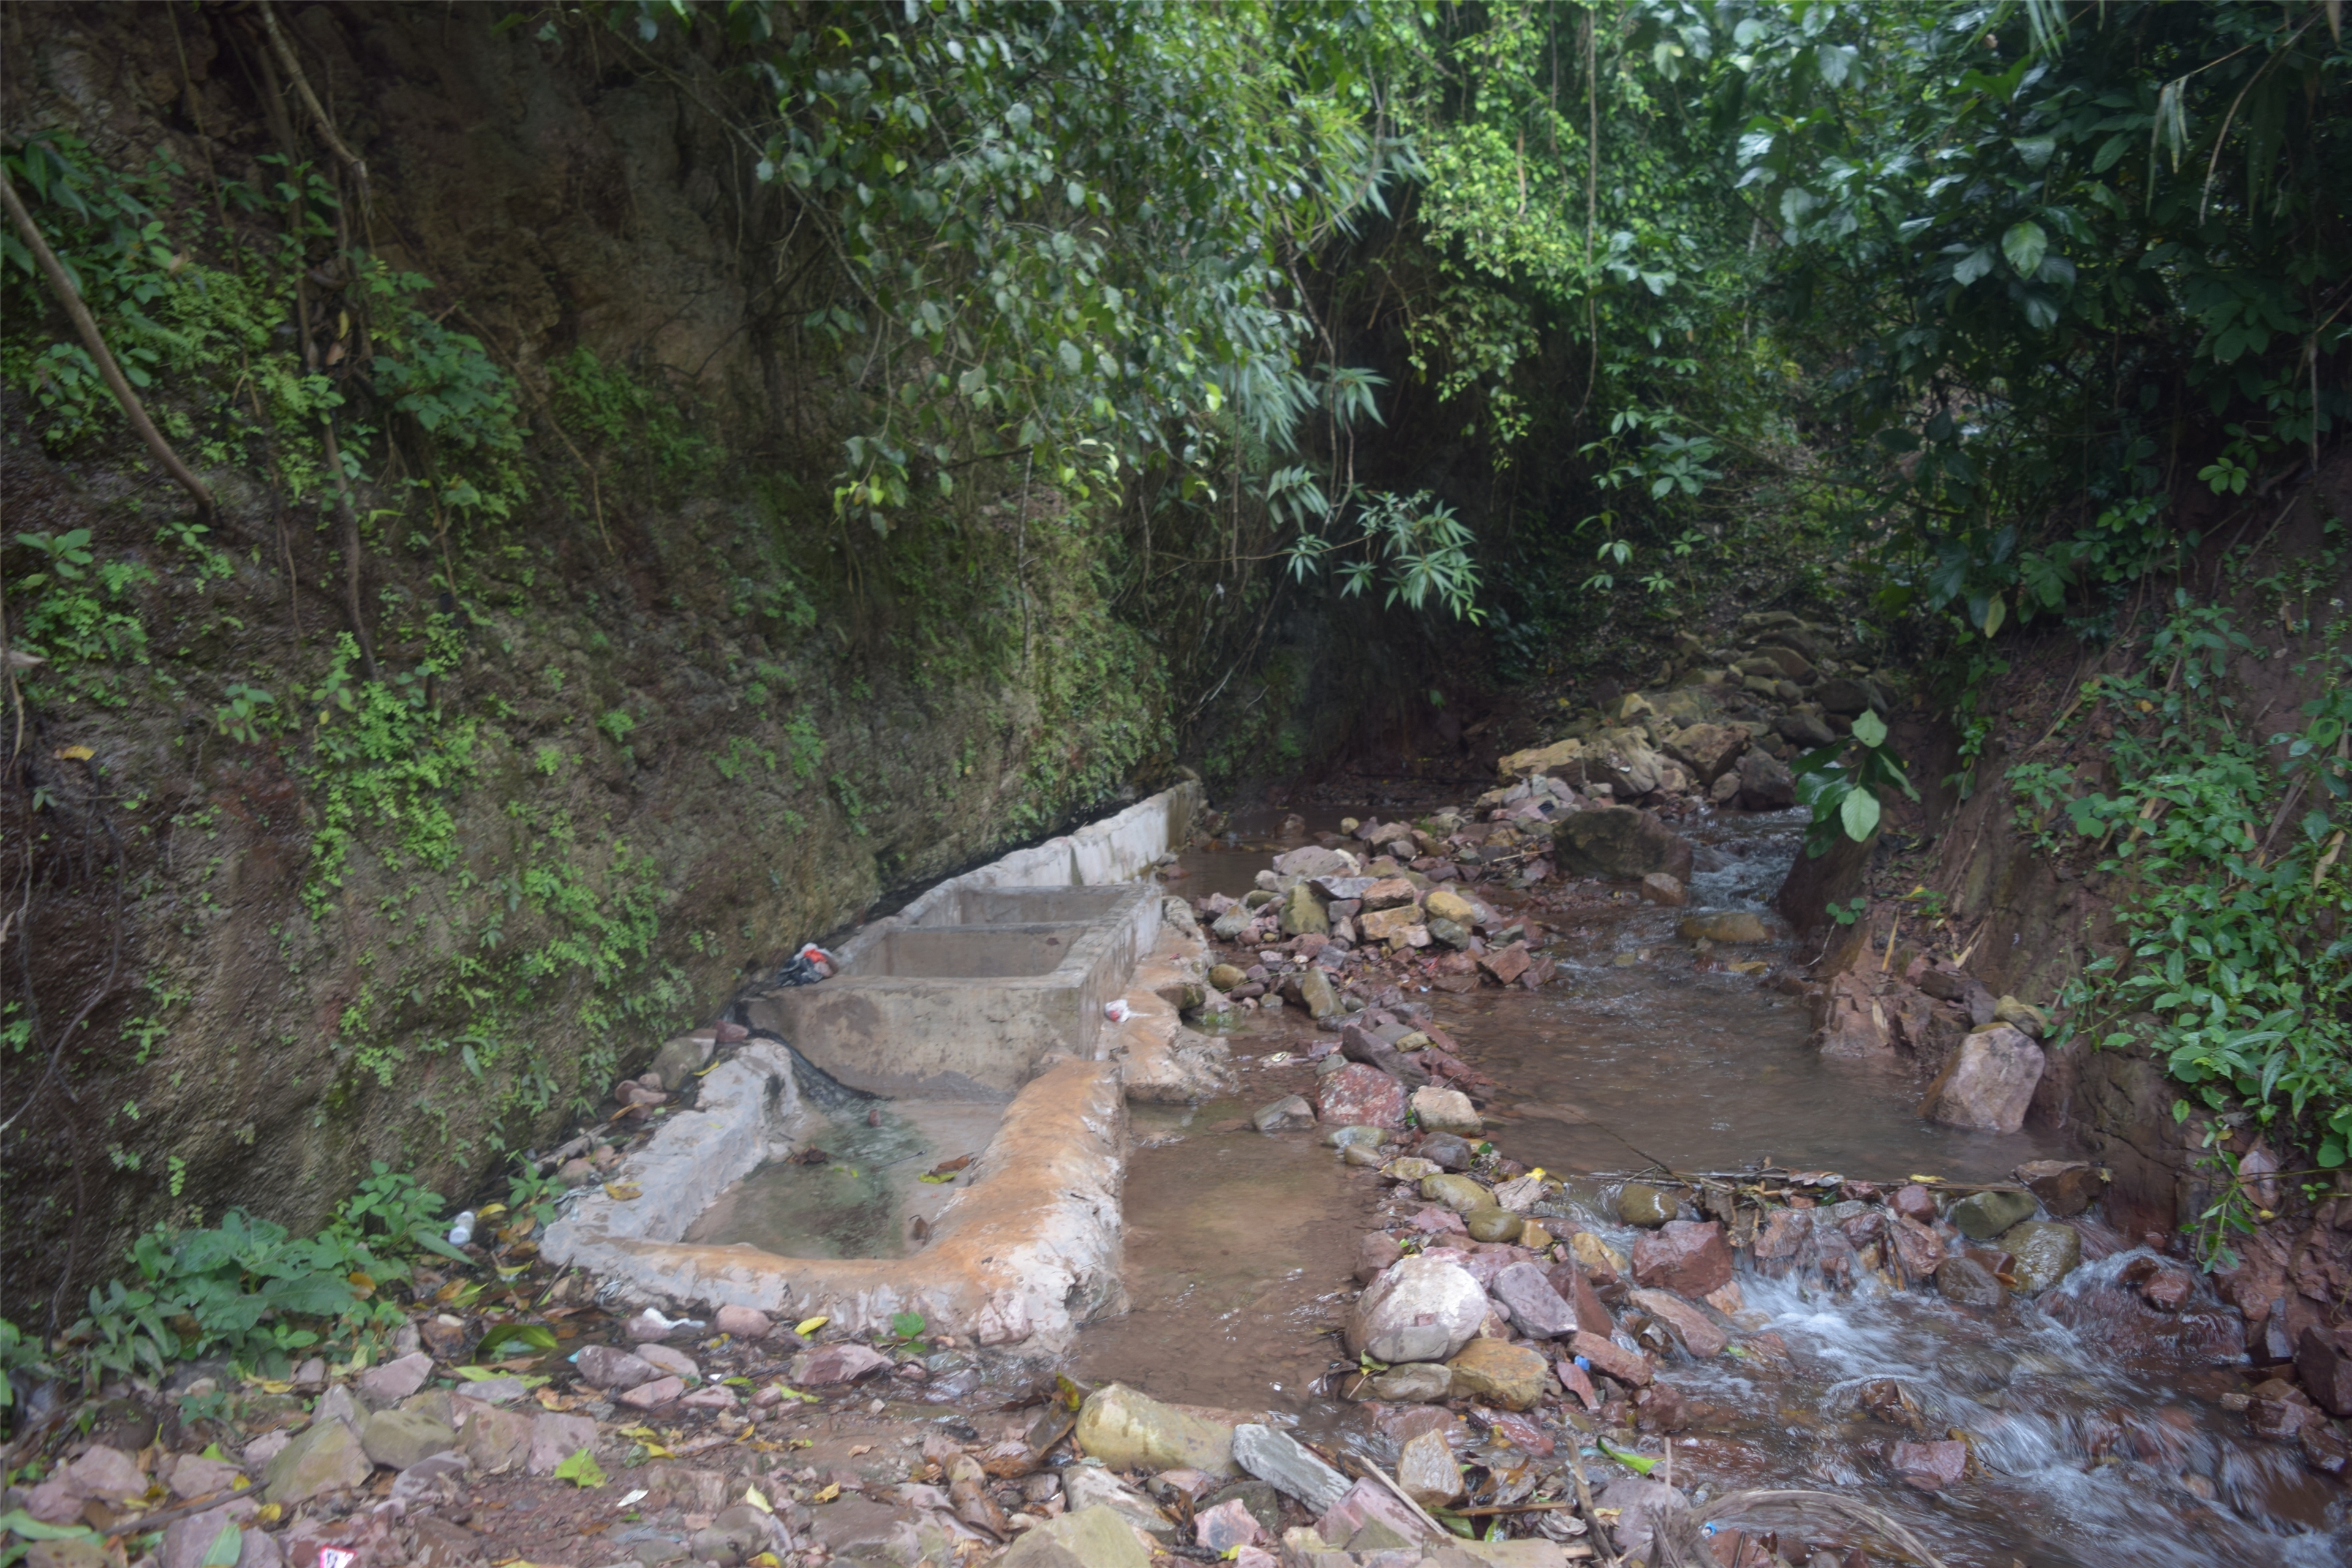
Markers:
634,740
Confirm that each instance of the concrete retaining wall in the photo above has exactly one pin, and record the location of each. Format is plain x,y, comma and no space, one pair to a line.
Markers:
1028,1248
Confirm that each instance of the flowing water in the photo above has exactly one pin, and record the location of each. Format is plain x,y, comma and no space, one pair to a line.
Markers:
2096,1423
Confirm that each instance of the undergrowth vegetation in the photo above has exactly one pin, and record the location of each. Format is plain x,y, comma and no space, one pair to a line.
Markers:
2226,847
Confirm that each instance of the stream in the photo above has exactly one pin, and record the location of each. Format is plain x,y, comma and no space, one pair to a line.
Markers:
2099,1426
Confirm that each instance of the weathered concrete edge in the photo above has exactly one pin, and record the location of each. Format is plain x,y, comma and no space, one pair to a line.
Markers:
749,1110
1026,1251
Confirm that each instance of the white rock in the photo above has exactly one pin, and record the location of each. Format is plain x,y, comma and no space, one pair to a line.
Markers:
1422,1308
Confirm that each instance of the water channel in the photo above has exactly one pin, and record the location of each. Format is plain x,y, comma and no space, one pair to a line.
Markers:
2099,1426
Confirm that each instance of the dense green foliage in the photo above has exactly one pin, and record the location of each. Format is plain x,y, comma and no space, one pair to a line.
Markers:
2238,905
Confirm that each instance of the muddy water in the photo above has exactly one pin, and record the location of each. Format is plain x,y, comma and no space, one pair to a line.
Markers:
2097,1428
867,1198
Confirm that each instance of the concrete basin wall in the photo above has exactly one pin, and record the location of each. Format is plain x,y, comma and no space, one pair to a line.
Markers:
989,986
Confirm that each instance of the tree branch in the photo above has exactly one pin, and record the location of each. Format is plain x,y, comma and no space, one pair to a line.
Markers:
61,284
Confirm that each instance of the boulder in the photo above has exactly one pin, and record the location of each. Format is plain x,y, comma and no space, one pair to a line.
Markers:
2066,1187
1131,1431
743,1322
680,1059
325,1457
2045,1254
2322,1359
1765,783
188,1542
608,1367
1689,1258
1426,1469
1844,696
1278,1459
1414,1383
1931,1467
1449,933
1460,1194
1689,1324
1989,1083
1361,1096
1446,904
1314,860
1500,1373
1608,1356
1370,1507
1388,893
664,1359
1374,1252
555,1438
1535,1308
1803,730
1619,841
1708,750
1422,1308
399,1438
837,1364
1093,1537
1730,926
1289,1112
1983,1215
496,1441
1964,1282
1445,1111
1494,1223
1638,1203
1315,993
1227,977
1389,925
1658,887
659,1392
396,1380
1302,913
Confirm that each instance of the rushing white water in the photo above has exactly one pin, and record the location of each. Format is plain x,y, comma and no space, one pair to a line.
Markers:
2095,1458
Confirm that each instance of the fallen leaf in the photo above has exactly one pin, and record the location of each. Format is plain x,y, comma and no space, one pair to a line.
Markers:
489,1211
858,1449
623,1192
758,1499
831,1491
808,1326
76,754
582,1471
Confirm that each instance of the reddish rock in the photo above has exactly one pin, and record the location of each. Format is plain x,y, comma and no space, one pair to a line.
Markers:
1661,1408
1689,1258
1573,1379
1360,1095
1374,1252
1658,887
1608,1357
1692,1327
2066,1187
1918,1249
1850,1022
2168,1290
1780,1241
2279,1418
603,1366
743,1322
1914,1202
1931,1467
830,1364
1577,1290
2322,1359
1966,1282
1506,964
1521,1433
661,1391
2324,1448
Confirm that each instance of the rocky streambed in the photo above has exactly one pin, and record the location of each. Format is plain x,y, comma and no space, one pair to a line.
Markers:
1542,1229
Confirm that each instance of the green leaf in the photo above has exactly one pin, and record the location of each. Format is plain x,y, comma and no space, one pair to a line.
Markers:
2025,244
1972,265
25,1527
1859,813
1870,729
225,1549
581,1470
536,1335
907,1325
